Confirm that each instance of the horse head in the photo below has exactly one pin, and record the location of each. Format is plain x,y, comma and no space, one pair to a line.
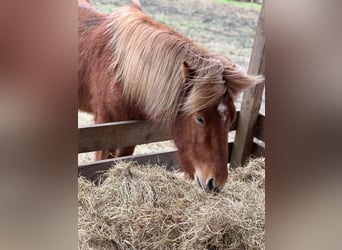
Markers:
202,136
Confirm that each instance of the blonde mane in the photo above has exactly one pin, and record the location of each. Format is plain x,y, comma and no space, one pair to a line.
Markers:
148,61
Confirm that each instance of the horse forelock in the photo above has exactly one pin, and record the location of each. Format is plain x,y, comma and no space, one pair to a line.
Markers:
147,60
207,86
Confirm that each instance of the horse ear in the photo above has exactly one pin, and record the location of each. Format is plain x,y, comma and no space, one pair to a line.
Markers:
187,71
137,3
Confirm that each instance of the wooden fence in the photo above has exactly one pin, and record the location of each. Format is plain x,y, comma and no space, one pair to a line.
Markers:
127,133
249,127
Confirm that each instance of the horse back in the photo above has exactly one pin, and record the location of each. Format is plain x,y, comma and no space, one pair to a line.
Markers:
89,20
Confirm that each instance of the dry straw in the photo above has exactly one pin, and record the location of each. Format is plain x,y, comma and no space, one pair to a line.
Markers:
147,207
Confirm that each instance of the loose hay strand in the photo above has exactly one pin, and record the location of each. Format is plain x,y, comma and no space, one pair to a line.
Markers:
148,207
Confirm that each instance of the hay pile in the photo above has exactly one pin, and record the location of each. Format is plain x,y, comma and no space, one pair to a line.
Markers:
147,207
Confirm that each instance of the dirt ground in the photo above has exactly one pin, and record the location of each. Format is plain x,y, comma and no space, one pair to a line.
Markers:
219,27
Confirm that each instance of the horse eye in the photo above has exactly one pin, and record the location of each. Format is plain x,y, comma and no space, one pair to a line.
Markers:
199,120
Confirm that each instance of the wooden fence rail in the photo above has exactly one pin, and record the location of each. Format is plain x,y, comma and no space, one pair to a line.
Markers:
122,134
92,170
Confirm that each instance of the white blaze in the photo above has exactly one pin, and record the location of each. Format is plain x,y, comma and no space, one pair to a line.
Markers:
221,108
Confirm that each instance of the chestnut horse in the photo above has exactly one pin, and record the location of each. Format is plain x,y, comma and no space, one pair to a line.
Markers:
132,67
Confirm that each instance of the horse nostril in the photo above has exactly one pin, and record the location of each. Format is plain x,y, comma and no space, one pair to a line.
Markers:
200,182
211,184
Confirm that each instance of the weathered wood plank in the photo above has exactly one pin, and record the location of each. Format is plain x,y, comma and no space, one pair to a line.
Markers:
168,158
92,170
120,134
252,99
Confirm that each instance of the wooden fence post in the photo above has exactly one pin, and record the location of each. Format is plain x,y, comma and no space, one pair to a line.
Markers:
252,99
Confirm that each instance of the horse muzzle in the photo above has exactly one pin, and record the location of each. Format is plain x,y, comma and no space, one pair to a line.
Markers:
207,185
